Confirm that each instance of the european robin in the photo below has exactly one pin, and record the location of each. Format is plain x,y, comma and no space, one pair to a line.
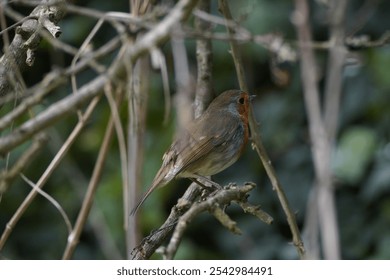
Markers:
208,145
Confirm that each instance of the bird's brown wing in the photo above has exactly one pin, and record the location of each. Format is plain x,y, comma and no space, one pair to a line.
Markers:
204,140
194,155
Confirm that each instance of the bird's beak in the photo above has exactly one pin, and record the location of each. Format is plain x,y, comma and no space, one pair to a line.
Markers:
251,97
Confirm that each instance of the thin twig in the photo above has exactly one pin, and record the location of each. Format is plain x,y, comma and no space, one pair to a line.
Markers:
12,26
52,201
74,236
258,144
112,16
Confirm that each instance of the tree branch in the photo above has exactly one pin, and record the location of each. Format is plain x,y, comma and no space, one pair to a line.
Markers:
150,243
186,210
20,53
214,204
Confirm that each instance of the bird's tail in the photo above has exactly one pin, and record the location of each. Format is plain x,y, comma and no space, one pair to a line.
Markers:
159,181
143,198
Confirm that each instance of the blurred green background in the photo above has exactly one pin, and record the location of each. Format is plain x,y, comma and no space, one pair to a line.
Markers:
361,160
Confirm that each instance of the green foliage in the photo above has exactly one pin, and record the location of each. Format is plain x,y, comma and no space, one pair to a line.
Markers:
353,154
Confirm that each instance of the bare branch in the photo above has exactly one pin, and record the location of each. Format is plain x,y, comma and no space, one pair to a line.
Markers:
225,220
364,41
255,211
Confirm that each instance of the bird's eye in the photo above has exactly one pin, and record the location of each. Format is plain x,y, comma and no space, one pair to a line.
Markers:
241,100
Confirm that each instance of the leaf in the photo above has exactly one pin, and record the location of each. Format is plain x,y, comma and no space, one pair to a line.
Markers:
353,154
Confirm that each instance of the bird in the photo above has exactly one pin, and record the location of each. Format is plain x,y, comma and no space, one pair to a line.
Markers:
207,145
